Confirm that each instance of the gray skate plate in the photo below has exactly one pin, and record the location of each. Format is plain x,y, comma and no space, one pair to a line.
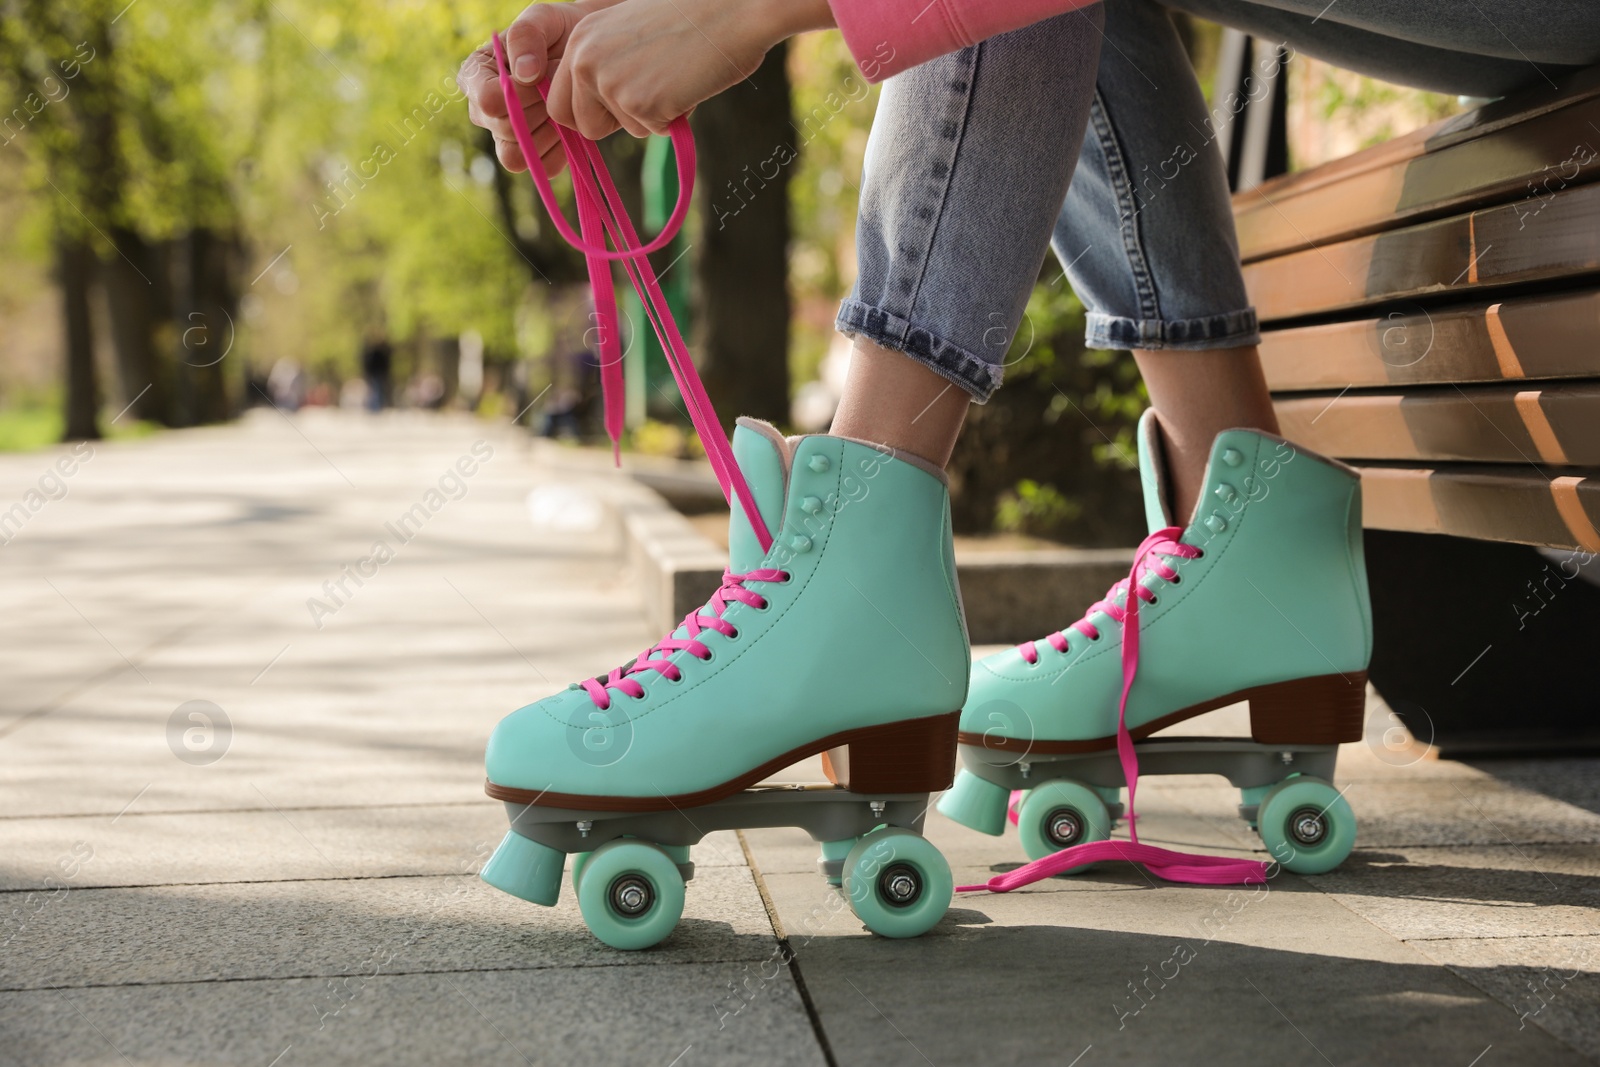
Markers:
1243,762
826,812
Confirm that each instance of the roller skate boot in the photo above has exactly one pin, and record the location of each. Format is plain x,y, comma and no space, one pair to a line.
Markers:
1262,598
837,630
844,638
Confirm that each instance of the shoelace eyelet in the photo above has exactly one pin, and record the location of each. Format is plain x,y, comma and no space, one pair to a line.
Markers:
708,657
763,606
786,579
1176,579
733,636
1153,601
1199,553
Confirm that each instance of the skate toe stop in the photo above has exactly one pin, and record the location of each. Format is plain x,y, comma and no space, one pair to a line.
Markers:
525,869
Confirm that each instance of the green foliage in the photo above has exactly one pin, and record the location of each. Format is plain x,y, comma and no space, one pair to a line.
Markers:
1052,454
833,108
331,132
1035,509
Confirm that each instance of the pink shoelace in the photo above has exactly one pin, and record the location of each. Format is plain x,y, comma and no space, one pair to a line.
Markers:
602,216
708,617
1163,863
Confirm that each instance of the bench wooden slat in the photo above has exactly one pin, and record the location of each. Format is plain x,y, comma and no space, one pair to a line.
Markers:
1534,157
1557,425
1487,120
1495,246
1527,337
1497,504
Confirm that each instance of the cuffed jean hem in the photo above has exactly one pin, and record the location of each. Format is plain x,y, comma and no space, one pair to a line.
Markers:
1232,330
951,362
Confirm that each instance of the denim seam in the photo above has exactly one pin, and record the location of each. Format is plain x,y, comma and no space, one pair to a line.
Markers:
973,374
952,154
1127,224
1231,329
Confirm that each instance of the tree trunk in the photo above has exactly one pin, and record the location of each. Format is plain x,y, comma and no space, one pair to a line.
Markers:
75,266
130,275
206,320
551,261
745,141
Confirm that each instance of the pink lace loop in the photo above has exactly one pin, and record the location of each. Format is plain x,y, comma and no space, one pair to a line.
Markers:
696,622
1163,863
602,216
1161,543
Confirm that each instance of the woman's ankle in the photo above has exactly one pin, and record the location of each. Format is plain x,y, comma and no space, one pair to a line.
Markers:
1198,395
891,399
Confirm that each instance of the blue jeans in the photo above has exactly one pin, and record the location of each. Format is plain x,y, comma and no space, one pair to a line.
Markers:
978,162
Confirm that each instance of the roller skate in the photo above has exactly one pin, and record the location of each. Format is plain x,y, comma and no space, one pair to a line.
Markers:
845,638
1261,598
837,630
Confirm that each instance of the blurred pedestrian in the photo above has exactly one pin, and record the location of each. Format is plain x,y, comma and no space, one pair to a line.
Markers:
377,357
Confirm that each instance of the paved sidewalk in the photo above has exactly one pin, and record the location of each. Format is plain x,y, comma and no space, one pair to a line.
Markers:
283,872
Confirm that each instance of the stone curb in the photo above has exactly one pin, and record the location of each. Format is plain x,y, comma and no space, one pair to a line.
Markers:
1009,596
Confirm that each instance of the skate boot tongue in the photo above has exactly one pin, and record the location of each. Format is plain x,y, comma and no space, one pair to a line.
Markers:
1153,474
763,454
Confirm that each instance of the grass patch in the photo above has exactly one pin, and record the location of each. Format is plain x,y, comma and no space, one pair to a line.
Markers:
28,429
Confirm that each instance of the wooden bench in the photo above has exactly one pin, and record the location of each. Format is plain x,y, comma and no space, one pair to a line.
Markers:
1431,314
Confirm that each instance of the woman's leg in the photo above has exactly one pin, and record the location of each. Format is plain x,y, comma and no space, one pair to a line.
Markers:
970,157
1485,48
1198,395
1147,228
1146,235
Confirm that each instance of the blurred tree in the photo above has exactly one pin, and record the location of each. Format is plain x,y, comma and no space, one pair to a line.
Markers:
746,145
44,54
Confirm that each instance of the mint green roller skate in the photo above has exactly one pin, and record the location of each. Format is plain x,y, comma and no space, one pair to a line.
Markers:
845,638
1261,598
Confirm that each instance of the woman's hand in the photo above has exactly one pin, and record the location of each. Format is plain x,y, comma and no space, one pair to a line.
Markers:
642,63
625,64
534,42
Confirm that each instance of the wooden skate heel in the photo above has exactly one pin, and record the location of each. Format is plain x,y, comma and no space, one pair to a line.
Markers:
1329,709
917,756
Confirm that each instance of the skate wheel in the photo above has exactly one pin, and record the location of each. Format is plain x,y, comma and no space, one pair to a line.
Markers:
1307,825
1059,814
578,860
897,882
630,893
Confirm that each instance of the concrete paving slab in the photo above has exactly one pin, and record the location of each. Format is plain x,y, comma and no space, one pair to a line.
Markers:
1482,892
287,929
1130,977
1549,982
678,1014
265,843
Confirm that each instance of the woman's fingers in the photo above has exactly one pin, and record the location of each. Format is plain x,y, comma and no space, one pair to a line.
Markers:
509,152
555,160
480,81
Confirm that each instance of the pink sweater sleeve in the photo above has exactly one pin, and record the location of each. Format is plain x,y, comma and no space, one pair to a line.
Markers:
888,36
